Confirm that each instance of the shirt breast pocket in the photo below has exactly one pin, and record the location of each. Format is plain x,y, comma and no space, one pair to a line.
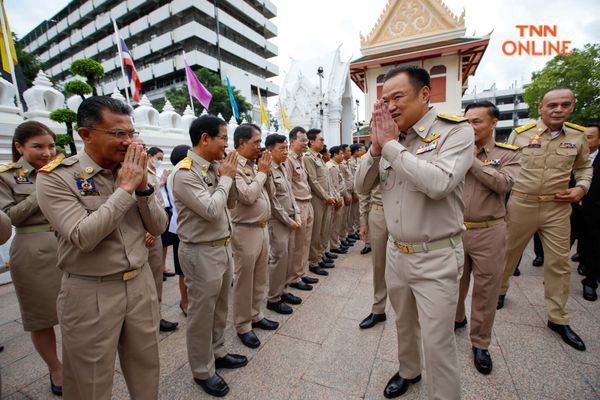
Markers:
564,158
533,157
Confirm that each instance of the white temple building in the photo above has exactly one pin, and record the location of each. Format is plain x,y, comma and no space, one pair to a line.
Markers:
324,100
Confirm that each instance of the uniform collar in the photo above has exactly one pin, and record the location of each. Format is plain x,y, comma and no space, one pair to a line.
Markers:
27,168
541,128
89,168
314,153
294,155
198,159
487,148
243,160
275,165
423,125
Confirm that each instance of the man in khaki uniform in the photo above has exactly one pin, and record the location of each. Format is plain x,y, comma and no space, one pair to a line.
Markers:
285,221
100,204
338,182
492,174
296,173
328,222
357,151
373,230
421,180
552,149
348,176
250,237
201,190
322,200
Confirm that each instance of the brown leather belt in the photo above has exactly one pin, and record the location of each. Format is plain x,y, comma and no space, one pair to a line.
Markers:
121,276
534,197
215,243
409,248
483,224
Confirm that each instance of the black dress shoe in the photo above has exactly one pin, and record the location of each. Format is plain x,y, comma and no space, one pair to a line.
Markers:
347,244
575,257
354,236
517,272
215,385
581,269
310,279
249,339
371,321
167,326
350,240
279,307
168,274
330,255
460,324
482,360
266,324
397,386
301,285
500,301
231,361
318,271
567,335
327,260
538,261
291,299
365,250
326,265
56,390
589,292
338,251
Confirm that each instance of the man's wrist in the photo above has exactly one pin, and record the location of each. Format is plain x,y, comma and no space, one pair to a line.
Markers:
145,193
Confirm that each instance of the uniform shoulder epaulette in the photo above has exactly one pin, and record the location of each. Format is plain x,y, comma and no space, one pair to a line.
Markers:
575,126
451,118
186,163
507,146
525,127
52,165
7,167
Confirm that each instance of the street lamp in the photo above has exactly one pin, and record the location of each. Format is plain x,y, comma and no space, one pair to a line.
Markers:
357,114
320,104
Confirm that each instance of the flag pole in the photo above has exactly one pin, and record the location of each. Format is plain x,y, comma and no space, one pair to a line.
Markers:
189,93
118,40
10,58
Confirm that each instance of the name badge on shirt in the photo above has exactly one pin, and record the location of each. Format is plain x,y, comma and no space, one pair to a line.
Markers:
427,147
86,187
567,145
535,142
21,177
494,163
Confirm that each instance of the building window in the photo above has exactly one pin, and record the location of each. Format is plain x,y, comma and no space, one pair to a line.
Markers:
438,83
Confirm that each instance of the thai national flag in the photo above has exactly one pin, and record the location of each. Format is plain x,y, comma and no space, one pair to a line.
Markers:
134,80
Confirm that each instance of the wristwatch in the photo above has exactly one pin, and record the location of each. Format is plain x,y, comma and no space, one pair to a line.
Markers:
146,192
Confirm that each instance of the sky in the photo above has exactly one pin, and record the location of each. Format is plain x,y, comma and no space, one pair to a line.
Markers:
311,28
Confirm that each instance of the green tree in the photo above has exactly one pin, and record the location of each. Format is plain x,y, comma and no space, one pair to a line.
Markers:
179,97
579,71
68,117
77,87
90,69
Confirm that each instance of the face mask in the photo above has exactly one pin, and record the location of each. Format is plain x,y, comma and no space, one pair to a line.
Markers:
156,163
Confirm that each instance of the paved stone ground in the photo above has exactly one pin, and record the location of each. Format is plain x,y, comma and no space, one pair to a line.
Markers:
319,352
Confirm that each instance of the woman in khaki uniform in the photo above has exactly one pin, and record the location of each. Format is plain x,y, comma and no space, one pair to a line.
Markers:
33,253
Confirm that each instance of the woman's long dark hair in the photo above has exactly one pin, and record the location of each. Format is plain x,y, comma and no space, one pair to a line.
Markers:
26,131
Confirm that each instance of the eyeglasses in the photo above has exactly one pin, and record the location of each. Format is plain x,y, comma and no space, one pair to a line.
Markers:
303,140
223,138
117,134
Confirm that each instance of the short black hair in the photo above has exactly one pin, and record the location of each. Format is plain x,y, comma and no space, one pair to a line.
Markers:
594,125
324,149
354,147
89,113
244,131
417,76
274,139
178,153
335,150
312,134
492,109
294,132
343,146
154,150
209,124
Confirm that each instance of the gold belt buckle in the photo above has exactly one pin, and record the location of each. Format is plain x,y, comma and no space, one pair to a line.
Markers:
263,224
130,274
405,248
227,241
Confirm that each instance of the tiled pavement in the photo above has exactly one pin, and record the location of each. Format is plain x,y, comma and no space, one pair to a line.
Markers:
319,352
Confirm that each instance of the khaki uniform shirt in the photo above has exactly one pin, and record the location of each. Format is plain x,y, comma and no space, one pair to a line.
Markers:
366,200
100,227
348,177
490,177
337,179
17,194
546,163
5,227
283,203
317,175
422,179
296,173
201,199
254,189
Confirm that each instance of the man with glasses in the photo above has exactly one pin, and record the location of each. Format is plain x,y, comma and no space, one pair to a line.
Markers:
100,205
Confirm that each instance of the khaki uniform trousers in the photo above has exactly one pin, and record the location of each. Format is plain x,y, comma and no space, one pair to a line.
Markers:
354,217
208,275
551,220
99,318
281,264
337,227
347,225
156,265
485,253
378,235
423,289
301,242
319,209
326,229
251,255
